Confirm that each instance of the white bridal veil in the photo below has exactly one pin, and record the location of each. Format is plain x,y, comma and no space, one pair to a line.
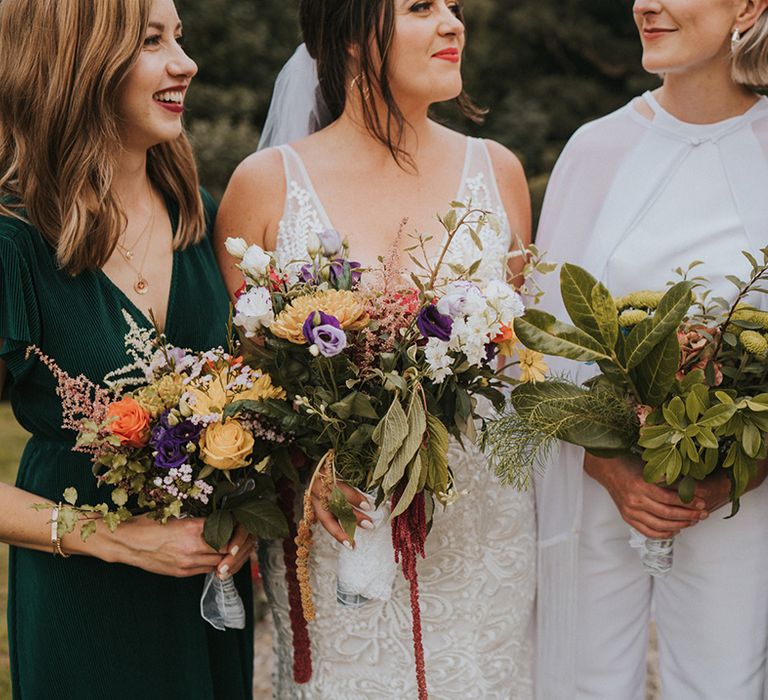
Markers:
297,108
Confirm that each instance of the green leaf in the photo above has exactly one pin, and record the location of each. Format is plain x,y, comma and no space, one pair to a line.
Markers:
576,287
87,529
674,413
70,495
687,489
417,424
751,440
647,334
717,415
542,332
657,463
343,511
354,404
655,375
389,434
411,488
604,308
262,519
218,529
119,496
435,455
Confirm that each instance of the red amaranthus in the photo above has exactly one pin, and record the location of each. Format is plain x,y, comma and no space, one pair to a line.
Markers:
409,532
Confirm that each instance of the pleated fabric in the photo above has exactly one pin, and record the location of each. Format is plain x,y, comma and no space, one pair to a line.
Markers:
80,627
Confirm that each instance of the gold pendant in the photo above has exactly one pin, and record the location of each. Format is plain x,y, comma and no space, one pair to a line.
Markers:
141,286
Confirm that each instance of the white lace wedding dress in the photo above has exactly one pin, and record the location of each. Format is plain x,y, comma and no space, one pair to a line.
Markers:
477,583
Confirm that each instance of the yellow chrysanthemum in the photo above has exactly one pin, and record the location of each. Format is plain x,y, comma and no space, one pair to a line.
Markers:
631,317
346,306
163,394
533,368
214,396
644,299
755,343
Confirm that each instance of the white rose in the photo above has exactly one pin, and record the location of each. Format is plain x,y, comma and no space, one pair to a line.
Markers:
255,262
236,247
461,299
254,311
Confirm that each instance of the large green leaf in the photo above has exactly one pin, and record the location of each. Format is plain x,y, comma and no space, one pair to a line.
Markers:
542,332
435,455
417,424
354,404
654,376
262,519
389,435
411,486
647,334
343,511
604,308
218,529
576,285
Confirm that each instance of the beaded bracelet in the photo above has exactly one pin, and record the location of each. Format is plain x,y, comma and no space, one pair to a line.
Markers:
55,538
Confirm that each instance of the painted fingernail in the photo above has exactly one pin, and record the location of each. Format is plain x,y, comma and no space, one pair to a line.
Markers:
234,550
367,525
365,505
704,516
347,544
223,570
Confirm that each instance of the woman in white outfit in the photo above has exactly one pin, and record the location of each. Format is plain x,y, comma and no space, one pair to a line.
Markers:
677,175
381,64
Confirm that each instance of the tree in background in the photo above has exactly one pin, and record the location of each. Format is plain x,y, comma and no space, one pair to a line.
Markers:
543,67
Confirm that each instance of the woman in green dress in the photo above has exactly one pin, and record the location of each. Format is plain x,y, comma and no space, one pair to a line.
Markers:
100,212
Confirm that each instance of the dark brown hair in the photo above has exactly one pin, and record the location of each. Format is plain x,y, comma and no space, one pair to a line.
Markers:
61,67
330,29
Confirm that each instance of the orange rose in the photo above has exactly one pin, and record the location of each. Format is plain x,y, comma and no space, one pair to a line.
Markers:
129,422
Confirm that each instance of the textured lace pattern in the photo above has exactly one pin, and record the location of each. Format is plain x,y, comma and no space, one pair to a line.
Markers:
478,580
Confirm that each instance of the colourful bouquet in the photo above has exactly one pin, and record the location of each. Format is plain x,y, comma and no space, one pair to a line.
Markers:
384,372
178,433
683,382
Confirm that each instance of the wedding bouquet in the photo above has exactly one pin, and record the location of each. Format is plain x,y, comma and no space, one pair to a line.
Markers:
384,371
682,382
178,433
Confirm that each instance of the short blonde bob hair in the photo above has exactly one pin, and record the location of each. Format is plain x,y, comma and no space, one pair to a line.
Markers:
750,56
61,66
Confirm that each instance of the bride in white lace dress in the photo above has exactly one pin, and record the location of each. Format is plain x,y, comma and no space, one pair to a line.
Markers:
381,64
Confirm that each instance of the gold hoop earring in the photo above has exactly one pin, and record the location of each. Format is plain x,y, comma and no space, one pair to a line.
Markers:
359,83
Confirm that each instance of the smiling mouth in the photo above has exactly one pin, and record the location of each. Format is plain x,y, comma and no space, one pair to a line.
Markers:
656,32
451,55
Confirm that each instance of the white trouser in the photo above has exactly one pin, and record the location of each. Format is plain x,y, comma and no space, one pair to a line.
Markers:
711,610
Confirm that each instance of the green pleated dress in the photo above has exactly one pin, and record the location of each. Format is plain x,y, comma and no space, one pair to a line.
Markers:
80,628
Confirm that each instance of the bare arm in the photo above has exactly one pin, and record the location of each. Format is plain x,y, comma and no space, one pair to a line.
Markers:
515,197
250,209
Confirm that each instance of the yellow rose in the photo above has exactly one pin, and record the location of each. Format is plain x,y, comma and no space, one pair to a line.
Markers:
226,445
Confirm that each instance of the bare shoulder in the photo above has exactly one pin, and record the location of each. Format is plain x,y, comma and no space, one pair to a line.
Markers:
513,188
251,207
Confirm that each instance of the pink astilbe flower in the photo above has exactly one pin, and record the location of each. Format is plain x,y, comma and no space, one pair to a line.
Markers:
389,313
82,400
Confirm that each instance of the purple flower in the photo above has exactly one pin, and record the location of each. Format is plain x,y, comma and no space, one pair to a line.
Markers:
345,274
324,331
491,349
433,324
170,441
308,274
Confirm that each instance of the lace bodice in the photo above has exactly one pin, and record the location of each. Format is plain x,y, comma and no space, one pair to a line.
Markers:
478,579
304,213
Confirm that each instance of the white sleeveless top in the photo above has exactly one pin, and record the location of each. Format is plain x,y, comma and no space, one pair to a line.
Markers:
304,212
478,579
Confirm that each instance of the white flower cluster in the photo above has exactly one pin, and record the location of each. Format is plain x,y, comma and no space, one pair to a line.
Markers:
478,317
178,483
253,311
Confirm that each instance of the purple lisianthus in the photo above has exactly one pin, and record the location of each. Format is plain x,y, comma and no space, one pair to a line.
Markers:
339,270
330,240
433,324
325,333
184,433
491,350
170,441
170,454
159,430
308,274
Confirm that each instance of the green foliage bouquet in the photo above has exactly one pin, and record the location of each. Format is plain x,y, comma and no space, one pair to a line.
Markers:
682,382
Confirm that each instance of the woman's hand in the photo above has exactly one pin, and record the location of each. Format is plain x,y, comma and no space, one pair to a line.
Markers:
652,510
237,553
360,503
174,549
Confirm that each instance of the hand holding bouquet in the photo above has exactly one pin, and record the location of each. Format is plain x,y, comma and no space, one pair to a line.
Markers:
682,382
180,434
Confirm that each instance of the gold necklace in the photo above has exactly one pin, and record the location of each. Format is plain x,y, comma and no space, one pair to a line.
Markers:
141,285
125,251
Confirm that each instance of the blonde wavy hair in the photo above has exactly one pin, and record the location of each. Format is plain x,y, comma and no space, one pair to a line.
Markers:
750,56
62,63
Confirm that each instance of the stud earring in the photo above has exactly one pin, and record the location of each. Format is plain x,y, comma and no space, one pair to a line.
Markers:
735,39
